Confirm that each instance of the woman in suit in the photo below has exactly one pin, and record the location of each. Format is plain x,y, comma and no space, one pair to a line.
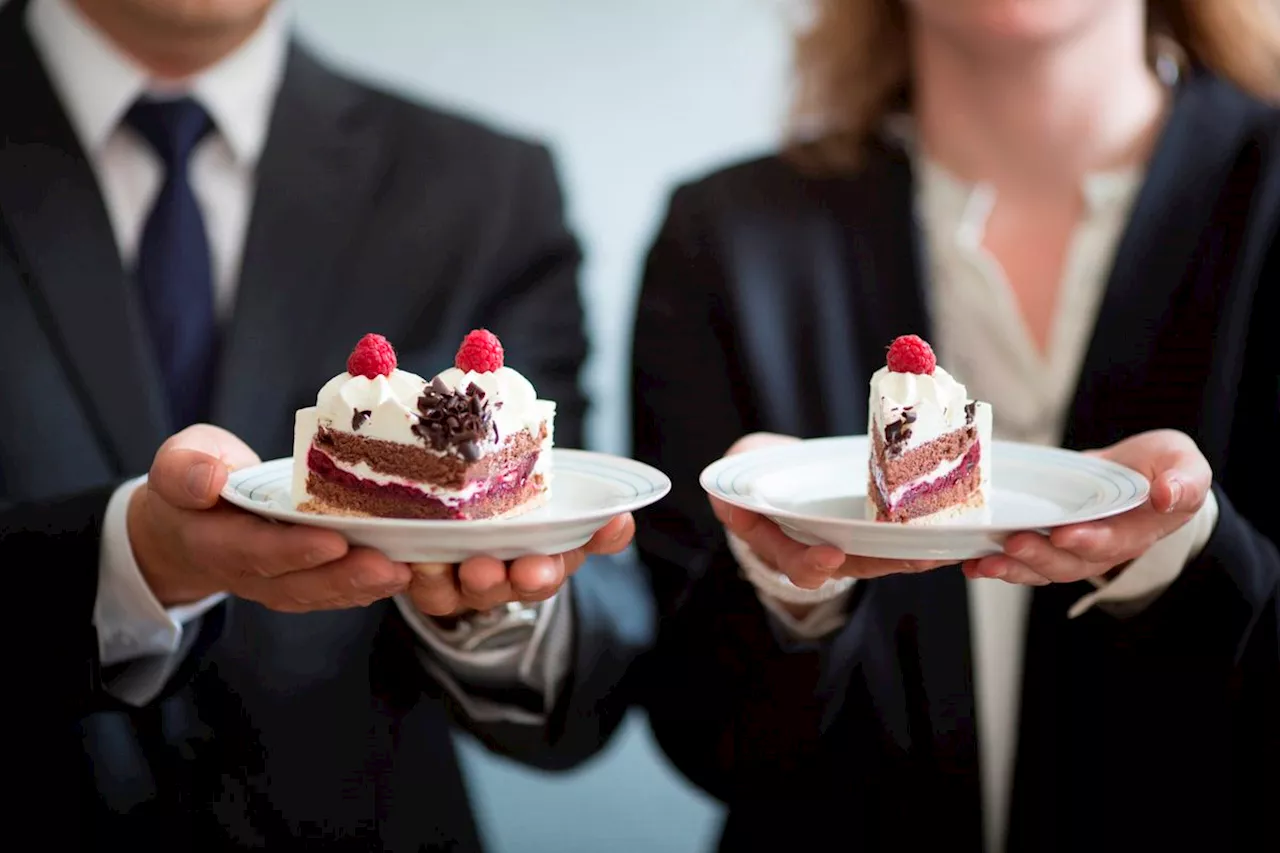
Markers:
1077,204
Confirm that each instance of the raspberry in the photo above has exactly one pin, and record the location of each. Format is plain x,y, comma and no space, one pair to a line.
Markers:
911,354
481,352
373,356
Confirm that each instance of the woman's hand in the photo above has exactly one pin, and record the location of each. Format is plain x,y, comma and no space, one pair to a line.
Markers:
807,566
1180,477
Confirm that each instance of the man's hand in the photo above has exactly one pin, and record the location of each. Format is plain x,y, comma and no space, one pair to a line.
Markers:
808,566
1180,478
190,545
482,583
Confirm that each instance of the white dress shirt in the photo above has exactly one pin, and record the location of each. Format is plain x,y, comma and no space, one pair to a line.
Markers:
980,335
97,83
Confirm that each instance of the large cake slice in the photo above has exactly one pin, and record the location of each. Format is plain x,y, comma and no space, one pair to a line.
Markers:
472,443
930,444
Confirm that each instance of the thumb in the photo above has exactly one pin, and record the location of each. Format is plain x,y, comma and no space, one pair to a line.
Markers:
1179,491
191,468
614,536
1179,475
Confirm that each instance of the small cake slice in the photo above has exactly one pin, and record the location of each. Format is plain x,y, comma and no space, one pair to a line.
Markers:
472,443
930,444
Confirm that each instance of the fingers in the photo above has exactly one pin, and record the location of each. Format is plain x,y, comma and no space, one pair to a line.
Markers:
614,536
1038,553
360,578
482,583
536,578
1179,474
1079,551
865,568
434,589
720,509
236,545
1115,540
807,567
1034,560
764,538
1180,480
1006,569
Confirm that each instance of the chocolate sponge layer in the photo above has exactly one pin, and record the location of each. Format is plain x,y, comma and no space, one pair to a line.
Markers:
960,488
445,470
338,499
900,470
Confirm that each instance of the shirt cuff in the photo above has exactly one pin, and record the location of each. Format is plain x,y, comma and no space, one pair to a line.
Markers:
540,665
131,622
775,590
1139,585
140,681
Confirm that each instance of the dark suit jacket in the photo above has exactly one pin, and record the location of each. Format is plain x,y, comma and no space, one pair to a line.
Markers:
371,214
768,300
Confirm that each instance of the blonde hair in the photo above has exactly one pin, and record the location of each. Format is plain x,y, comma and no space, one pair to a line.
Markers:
852,65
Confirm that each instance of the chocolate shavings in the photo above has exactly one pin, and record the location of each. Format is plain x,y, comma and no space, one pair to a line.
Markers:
455,420
899,431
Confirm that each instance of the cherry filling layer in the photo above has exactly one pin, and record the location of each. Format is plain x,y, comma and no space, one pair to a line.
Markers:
510,481
924,490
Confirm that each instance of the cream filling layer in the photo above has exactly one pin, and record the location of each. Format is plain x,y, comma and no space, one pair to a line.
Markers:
941,470
440,493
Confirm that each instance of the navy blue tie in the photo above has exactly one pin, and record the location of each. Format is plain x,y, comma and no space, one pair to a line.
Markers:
174,271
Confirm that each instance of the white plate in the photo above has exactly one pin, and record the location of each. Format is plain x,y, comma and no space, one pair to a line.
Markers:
816,491
587,490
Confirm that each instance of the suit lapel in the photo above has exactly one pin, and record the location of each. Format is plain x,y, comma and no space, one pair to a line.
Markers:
890,294
1160,251
318,175
55,226
1146,365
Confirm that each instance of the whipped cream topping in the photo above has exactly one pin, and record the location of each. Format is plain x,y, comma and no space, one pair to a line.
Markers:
387,408
937,402
391,401
515,402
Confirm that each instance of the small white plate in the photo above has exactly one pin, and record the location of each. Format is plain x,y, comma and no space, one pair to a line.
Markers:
587,490
816,491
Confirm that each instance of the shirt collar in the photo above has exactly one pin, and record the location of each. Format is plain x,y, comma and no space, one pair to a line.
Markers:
98,82
1102,190
240,91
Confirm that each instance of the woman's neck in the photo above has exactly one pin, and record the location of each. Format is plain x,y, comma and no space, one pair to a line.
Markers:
1040,115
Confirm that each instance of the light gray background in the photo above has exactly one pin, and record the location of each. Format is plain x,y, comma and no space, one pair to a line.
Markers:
633,96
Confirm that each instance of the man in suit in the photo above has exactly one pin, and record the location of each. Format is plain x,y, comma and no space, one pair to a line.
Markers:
197,221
